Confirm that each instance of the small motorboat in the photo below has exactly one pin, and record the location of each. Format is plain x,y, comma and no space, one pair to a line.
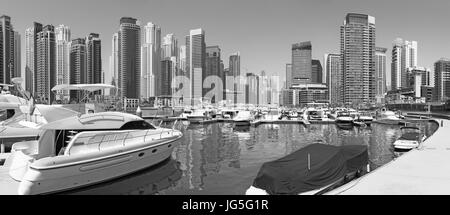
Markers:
363,119
273,114
243,118
344,117
411,138
85,150
198,116
312,170
390,118
313,114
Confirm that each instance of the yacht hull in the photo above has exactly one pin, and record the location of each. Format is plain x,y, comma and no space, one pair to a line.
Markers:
196,119
242,122
81,174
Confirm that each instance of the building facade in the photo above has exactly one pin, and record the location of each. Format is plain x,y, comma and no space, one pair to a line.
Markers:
212,67
301,63
358,58
404,56
63,40
17,55
380,73
93,59
335,79
169,47
195,63
78,67
8,62
129,36
288,75
31,57
46,64
442,79
150,61
317,73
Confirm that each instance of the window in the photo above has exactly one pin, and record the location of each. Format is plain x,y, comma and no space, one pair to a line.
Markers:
137,125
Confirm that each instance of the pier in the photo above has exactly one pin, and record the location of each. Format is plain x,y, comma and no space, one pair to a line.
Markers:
425,170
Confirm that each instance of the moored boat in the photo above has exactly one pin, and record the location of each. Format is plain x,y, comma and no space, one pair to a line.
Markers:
87,149
344,117
243,118
363,118
411,138
314,169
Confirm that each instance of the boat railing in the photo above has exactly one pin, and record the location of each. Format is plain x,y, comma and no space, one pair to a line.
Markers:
89,118
100,140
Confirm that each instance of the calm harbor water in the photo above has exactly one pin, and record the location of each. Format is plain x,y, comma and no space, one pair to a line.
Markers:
221,158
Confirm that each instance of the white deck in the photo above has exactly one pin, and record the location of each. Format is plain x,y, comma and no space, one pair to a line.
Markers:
420,171
8,186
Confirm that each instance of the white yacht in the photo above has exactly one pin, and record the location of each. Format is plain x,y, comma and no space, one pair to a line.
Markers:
411,138
389,117
25,125
85,150
198,115
363,118
313,114
273,114
243,118
186,112
344,117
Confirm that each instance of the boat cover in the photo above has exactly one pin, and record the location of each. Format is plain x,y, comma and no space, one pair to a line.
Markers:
290,174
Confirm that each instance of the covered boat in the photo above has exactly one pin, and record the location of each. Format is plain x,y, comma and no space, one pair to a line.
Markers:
312,168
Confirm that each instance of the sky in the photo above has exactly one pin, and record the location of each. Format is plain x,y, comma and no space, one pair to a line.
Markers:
261,30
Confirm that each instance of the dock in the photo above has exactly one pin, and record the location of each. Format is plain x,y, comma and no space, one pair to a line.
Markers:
421,171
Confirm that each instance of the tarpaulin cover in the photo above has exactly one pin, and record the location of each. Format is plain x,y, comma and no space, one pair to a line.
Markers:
327,164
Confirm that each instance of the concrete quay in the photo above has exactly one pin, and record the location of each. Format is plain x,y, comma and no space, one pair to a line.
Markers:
421,171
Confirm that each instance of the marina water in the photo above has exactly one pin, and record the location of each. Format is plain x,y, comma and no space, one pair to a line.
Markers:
222,158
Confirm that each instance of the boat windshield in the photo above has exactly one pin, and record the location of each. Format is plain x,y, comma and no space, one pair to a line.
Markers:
137,125
343,114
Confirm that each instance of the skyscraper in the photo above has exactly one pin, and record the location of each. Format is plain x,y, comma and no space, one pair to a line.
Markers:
358,58
17,55
182,61
151,61
404,56
93,59
235,71
380,72
195,62
6,50
301,63
212,67
31,57
169,46
165,79
112,78
316,71
442,79
129,58
288,75
78,68
46,64
62,34
335,78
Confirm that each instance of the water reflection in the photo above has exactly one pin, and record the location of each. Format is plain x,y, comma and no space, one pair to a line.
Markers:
147,181
221,158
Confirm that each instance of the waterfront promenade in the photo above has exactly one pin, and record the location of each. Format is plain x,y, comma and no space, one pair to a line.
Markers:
425,170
